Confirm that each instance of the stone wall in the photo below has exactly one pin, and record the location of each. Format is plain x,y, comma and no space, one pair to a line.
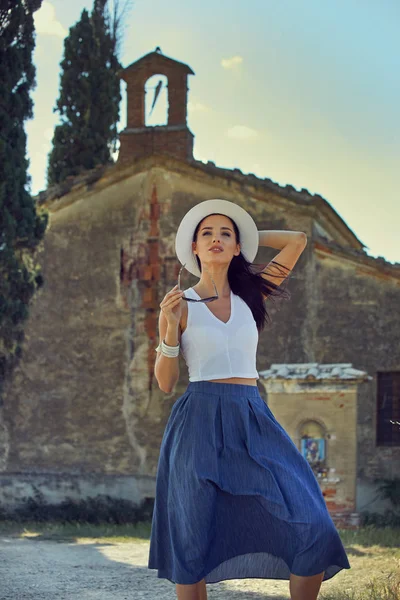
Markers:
84,399
354,318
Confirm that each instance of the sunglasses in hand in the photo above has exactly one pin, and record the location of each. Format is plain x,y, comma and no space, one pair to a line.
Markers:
209,299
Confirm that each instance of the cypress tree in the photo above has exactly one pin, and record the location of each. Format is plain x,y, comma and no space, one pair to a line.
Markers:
22,227
89,97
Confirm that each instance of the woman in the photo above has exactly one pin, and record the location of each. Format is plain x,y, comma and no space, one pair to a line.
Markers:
234,496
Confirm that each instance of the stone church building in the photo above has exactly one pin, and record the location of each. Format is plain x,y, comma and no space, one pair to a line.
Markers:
83,414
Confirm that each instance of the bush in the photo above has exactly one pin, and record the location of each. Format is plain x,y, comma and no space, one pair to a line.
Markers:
388,489
389,518
97,510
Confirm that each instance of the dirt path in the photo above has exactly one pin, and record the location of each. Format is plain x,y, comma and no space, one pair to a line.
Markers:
40,569
50,570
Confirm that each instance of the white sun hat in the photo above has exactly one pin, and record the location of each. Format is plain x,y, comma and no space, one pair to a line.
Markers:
249,238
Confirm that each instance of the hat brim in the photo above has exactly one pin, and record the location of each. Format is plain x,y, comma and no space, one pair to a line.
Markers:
249,238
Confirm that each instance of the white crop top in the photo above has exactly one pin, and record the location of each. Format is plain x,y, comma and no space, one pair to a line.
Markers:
213,349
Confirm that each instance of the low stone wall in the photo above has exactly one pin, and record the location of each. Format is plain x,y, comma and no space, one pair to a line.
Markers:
16,488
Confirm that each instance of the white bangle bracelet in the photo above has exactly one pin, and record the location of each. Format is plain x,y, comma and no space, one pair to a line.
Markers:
170,351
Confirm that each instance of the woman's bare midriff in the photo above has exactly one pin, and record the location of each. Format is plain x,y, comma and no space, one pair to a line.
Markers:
241,380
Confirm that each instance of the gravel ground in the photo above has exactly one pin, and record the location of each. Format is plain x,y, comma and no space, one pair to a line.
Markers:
50,570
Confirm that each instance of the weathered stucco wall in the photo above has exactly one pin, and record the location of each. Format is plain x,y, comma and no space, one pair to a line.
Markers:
84,399
64,408
356,320
352,317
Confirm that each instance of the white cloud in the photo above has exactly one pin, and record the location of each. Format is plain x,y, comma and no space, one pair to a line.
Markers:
257,169
201,157
231,63
197,107
241,132
46,22
48,134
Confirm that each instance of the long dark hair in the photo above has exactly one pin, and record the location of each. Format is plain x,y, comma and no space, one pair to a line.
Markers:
245,280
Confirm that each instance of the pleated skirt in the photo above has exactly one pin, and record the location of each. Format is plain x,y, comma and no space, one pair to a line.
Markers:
235,499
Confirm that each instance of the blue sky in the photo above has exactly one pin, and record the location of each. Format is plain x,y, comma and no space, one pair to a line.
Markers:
304,93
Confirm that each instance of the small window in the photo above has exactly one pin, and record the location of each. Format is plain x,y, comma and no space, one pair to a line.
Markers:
388,409
156,101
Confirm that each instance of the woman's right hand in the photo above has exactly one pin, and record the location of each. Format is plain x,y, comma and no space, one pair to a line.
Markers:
171,305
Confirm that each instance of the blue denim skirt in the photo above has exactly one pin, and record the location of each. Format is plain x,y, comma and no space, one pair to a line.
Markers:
235,498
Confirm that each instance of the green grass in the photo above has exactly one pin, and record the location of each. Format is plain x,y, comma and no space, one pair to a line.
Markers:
67,531
386,537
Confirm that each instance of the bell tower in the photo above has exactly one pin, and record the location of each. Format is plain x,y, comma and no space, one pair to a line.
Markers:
174,138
